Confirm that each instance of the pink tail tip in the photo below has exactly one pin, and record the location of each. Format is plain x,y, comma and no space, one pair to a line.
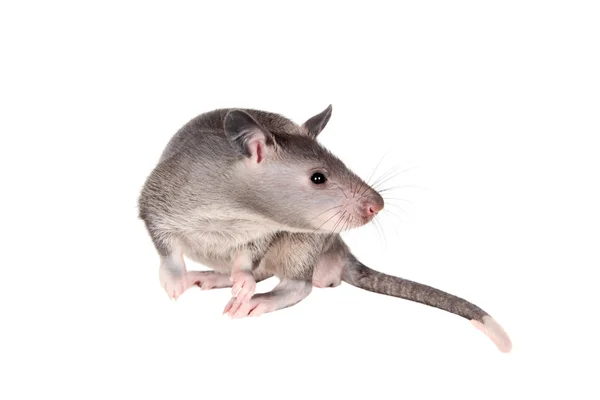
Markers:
494,331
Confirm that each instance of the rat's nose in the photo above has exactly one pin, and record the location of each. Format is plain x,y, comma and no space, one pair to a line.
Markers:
374,208
371,207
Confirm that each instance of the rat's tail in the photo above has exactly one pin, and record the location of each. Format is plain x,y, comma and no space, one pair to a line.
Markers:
361,276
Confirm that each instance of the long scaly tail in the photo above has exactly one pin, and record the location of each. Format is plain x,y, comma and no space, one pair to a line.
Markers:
357,274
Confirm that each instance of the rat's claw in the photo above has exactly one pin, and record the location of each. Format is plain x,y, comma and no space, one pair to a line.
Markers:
245,294
239,309
237,286
259,310
244,285
237,305
253,308
229,306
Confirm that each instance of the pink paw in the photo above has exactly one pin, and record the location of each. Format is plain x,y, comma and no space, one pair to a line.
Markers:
244,285
174,282
207,280
253,308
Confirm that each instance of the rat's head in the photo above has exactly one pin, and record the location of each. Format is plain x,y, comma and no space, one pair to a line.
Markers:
292,179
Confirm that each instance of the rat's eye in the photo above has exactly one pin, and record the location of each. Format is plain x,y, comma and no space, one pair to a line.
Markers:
318,178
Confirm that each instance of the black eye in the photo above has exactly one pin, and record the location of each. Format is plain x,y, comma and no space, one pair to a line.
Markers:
318,178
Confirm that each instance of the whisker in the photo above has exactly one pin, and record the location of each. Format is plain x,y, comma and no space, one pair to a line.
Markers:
360,187
335,226
364,194
395,215
330,218
339,221
391,177
374,225
380,231
351,222
362,183
397,206
341,191
386,174
385,238
372,173
398,187
387,199
347,226
343,226
324,212
380,182
393,227
377,166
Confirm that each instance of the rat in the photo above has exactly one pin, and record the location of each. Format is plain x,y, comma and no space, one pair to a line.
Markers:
251,195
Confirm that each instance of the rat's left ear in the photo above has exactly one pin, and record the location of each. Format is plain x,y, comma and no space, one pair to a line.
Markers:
315,125
247,136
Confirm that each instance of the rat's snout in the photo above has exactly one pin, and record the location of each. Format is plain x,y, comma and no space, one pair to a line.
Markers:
371,206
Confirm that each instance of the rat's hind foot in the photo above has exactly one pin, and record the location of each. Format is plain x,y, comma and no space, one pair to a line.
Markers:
285,294
172,275
173,281
244,285
207,280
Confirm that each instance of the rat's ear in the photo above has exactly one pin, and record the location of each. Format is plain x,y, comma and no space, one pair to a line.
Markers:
247,136
315,125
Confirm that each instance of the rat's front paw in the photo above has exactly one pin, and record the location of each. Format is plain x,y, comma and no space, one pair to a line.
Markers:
244,285
173,281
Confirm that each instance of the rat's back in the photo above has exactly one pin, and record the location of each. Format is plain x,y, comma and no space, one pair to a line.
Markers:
206,131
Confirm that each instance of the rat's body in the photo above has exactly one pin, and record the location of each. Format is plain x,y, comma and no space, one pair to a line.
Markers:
252,195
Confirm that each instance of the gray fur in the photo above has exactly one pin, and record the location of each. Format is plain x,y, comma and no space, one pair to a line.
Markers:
241,128
205,201
200,197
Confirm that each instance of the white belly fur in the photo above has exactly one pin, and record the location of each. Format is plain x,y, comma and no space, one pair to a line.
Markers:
216,243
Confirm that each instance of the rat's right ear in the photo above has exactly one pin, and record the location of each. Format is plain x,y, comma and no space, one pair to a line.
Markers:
247,136
314,125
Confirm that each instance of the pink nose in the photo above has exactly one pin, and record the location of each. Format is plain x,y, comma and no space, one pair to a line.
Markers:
371,208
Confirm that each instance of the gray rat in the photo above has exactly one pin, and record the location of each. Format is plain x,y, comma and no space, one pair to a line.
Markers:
251,194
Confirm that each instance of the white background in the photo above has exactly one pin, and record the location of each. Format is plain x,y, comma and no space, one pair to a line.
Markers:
493,105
